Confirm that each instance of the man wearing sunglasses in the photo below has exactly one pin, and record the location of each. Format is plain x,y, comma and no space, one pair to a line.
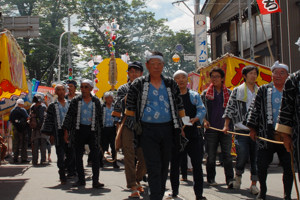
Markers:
85,116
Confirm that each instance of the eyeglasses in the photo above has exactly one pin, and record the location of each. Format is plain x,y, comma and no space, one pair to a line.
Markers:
84,86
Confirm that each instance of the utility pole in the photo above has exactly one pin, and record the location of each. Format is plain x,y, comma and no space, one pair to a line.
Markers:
59,54
200,37
197,7
69,43
241,31
250,30
183,1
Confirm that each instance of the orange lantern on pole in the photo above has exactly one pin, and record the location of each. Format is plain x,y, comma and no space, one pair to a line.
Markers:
176,58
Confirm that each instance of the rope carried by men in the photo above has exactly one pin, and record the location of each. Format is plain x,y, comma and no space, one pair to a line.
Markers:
268,140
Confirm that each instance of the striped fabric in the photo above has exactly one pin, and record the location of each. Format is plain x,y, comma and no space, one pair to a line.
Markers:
71,118
289,114
119,106
137,97
260,115
235,110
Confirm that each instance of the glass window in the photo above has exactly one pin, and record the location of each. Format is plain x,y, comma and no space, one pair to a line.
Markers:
246,34
266,21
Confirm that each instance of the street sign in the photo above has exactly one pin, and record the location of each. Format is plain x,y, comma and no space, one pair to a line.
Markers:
23,26
191,57
201,41
179,48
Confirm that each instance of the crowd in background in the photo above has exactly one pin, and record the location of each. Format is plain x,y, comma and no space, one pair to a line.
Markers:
157,121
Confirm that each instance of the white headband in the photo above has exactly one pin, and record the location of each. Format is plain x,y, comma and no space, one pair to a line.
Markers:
180,72
277,65
88,82
107,94
154,56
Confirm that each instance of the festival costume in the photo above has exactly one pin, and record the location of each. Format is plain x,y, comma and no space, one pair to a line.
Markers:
108,134
289,115
236,110
53,126
193,107
260,118
156,138
134,172
85,134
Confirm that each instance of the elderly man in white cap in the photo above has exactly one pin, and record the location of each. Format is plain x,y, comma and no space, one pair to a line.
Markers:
261,121
53,127
195,109
109,130
153,110
84,118
18,117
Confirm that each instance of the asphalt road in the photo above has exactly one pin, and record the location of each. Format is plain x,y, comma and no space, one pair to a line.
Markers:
25,182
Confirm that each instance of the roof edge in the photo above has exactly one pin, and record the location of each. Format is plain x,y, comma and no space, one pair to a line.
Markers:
207,7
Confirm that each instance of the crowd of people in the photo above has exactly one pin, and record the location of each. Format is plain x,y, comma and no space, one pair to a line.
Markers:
157,121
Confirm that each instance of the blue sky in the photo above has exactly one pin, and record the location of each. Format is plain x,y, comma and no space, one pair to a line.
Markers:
179,17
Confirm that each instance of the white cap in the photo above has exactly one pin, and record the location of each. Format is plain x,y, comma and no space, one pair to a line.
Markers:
107,94
20,101
180,72
278,65
88,82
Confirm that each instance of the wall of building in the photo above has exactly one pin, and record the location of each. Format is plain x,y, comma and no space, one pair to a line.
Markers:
290,32
285,32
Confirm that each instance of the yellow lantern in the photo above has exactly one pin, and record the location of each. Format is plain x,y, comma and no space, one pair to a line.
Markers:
176,58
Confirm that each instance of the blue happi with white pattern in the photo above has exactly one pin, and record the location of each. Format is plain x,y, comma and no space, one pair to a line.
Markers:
86,113
157,108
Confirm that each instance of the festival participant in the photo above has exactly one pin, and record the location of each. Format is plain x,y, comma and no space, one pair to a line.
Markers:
70,151
288,124
195,109
18,117
134,171
72,85
39,140
215,99
85,116
108,135
53,126
236,110
153,107
262,119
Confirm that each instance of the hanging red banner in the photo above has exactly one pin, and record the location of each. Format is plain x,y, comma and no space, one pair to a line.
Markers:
268,6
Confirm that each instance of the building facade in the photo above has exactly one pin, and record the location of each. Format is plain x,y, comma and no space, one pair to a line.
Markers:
230,31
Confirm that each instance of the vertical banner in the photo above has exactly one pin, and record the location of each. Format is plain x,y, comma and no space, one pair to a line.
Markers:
200,40
268,7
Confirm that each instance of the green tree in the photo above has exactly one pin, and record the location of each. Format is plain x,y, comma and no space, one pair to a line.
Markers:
167,45
42,52
138,28
139,32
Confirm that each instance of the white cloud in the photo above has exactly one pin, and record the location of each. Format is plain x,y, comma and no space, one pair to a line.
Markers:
182,23
178,15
